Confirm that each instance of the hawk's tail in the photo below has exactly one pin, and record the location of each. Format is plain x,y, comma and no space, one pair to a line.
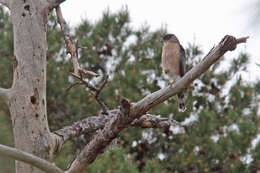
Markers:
182,107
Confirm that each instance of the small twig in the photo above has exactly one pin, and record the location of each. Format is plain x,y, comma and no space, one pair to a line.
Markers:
71,48
77,48
95,91
72,85
89,73
89,85
242,39
55,3
102,104
102,85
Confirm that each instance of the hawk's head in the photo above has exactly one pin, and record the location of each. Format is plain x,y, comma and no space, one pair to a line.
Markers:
170,38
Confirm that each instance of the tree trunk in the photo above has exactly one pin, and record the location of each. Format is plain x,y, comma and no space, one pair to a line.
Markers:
27,97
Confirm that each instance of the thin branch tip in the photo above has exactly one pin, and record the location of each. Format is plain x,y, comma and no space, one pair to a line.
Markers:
242,39
56,3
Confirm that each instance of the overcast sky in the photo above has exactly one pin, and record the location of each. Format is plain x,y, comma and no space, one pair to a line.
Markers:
202,21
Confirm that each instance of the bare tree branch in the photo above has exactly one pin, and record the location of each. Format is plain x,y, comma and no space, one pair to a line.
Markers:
30,159
95,91
87,125
55,3
153,121
97,94
242,39
78,72
92,124
89,73
71,48
4,94
131,111
74,84
88,85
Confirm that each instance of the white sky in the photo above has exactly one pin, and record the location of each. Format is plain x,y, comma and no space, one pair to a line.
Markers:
203,21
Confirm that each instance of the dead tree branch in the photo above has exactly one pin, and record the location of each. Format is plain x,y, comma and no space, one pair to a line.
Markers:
95,91
30,159
242,39
97,96
153,121
102,138
71,48
89,73
92,124
55,3
131,111
4,93
73,85
88,85
79,72
87,125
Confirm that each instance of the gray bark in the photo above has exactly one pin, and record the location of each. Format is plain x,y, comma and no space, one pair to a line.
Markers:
27,96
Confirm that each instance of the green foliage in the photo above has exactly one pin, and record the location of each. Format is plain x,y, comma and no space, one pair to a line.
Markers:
6,164
225,128
113,161
222,108
6,52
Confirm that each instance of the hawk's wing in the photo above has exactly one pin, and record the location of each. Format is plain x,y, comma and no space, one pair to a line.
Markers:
182,61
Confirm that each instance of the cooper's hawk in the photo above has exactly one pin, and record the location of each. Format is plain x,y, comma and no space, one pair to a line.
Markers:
173,62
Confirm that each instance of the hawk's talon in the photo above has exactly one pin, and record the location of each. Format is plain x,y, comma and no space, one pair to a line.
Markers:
171,83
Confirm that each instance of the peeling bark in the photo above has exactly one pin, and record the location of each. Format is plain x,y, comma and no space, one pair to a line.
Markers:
92,124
